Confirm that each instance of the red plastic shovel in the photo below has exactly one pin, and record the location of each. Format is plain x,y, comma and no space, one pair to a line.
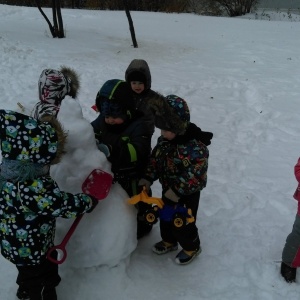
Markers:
97,184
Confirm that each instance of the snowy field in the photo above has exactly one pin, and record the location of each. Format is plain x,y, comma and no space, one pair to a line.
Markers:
241,79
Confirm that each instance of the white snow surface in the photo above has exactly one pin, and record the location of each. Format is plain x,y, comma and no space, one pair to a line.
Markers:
241,79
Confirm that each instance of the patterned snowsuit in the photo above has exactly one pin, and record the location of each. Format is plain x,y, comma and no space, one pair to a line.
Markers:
30,200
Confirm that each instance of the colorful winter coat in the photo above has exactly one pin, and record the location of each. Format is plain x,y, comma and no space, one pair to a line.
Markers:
28,212
180,164
30,200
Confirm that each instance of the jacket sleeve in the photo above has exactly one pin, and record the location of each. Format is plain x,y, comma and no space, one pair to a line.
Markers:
96,124
43,197
297,170
131,151
151,173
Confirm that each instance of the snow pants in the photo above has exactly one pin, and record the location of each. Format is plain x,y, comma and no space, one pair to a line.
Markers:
187,236
131,188
291,250
39,281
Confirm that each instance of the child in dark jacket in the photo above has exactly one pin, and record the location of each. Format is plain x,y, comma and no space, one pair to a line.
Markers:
291,250
31,200
138,76
124,137
179,161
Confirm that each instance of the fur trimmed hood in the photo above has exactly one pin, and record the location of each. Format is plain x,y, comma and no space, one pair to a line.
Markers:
171,112
26,139
54,85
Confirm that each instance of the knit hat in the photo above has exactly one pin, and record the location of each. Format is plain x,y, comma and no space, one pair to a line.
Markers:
54,85
171,112
115,98
26,139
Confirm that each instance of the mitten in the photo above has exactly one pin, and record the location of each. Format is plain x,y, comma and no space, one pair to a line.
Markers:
94,204
170,195
144,183
205,137
104,149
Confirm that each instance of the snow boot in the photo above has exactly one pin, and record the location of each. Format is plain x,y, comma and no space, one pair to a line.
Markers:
22,294
185,257
164,247
288,273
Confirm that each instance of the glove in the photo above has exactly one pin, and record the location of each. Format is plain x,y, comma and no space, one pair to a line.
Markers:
144,183
94,204
170,195
104,149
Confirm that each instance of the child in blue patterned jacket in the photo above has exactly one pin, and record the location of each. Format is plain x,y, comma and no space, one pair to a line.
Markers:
30,200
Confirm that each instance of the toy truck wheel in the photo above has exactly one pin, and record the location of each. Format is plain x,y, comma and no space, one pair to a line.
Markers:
178,220
151,216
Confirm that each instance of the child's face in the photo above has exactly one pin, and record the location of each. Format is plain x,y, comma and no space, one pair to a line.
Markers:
113,120
168,135
137,86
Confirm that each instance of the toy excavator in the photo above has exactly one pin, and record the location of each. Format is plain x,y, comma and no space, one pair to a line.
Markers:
177,214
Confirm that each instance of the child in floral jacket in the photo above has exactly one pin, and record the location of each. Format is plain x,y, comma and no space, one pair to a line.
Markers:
179,161
30,200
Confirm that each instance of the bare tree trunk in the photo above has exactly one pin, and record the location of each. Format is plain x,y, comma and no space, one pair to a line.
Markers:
57,29
131,27
54,17
52,30
61,33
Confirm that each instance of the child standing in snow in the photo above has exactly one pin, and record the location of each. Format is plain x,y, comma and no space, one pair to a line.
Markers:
138,76
53,87
123,136
179,160
291,250
31,200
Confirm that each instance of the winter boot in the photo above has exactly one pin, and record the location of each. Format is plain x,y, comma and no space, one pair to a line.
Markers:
22,294
143,229
164,247
288,273
185,257
44,293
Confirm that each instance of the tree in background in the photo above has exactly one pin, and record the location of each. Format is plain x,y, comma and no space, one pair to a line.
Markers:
57,29
131,27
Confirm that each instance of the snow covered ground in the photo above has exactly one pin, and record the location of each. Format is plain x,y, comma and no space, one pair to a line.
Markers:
241,79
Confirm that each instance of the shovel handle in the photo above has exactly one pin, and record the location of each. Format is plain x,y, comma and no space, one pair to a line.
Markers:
62,245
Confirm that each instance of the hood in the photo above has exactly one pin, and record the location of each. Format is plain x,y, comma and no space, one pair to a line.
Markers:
116,96
139,66
26,139
171,112
54,85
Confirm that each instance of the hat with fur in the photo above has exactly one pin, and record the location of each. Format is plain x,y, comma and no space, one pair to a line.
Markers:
115,98
26,139
54,85
171,112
